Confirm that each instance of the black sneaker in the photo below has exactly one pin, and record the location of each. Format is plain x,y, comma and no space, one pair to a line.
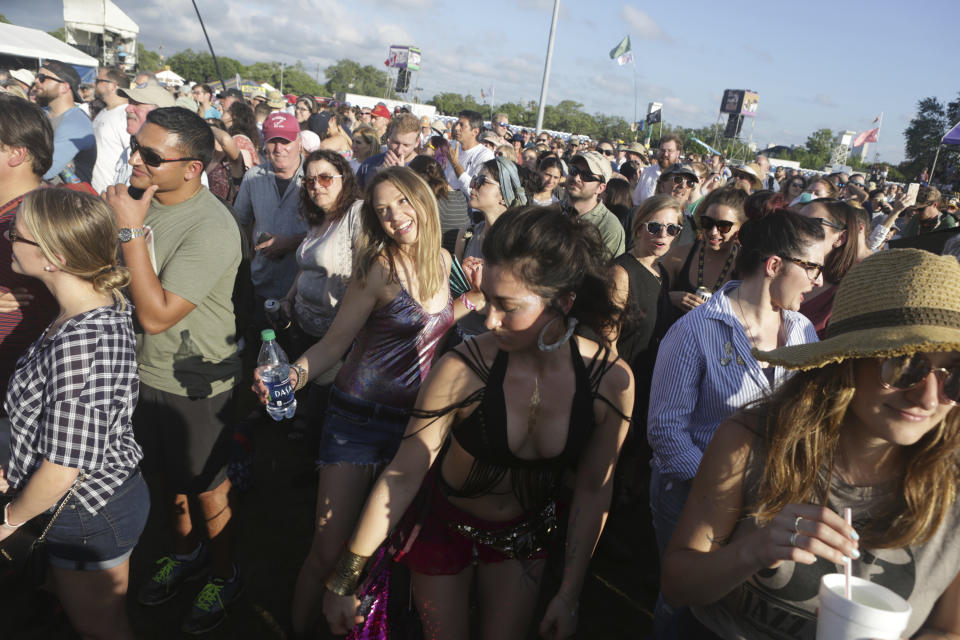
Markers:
170,575
210,606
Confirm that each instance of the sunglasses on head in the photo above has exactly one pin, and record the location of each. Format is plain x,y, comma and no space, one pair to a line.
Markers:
151,157
907,372
321,179
678,180
723,226
584,174
657,228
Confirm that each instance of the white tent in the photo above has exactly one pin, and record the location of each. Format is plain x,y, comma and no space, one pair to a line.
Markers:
169,78
33,43
93,16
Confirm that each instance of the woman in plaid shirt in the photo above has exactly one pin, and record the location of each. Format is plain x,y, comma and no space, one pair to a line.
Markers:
69,405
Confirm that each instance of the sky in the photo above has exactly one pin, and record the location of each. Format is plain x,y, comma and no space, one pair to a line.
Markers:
815,64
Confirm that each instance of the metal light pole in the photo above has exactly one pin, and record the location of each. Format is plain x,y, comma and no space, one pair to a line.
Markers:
546,66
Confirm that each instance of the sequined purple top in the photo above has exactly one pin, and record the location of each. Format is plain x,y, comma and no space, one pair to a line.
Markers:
393,352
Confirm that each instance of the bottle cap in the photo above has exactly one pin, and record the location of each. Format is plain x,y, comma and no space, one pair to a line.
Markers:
268,334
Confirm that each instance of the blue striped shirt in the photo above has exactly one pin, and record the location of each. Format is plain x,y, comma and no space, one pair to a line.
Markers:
705,373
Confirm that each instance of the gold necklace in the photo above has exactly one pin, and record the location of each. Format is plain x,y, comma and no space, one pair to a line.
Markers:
534,414
746,325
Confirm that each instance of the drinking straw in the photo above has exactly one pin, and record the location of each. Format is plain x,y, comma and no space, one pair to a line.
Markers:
848,516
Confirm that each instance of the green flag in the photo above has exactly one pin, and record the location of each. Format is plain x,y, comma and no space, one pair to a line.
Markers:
621,48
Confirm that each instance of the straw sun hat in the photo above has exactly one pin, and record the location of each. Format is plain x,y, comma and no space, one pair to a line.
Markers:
893,303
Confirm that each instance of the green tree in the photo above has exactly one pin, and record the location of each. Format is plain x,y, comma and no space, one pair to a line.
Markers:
924,133
348,76
199,67
148,60
4,20
818,146
59,34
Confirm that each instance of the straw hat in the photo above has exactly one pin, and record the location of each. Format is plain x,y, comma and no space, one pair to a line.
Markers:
893,303
753,171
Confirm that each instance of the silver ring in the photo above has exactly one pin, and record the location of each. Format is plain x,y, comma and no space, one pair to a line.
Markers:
796,524
793,539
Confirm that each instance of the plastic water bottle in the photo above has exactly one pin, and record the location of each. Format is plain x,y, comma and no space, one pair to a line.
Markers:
274,369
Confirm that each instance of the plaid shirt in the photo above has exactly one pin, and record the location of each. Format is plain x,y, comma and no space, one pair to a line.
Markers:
71,400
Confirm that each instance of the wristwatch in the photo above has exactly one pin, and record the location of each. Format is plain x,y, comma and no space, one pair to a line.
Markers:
126,235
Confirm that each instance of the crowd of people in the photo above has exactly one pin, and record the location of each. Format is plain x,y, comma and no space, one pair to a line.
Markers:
501,339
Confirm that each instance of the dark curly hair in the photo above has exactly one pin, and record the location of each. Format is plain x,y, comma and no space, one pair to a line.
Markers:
555,254
349,192
244,122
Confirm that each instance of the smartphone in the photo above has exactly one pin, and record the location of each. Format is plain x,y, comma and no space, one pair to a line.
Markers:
912,190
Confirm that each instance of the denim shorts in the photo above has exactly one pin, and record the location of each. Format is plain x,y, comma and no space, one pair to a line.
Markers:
359,432
81,541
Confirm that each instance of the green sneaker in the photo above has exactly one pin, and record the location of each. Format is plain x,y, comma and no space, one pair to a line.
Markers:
170,575
210,606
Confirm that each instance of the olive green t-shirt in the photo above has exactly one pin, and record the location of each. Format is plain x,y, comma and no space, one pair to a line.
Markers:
195,249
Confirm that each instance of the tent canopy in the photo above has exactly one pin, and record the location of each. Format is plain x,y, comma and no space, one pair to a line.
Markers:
169,77
93,15
33,43
953,136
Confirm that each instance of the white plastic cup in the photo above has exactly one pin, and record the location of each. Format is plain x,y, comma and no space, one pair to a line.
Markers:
873,613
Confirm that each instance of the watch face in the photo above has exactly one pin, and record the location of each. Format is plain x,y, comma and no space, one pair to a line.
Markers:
126,235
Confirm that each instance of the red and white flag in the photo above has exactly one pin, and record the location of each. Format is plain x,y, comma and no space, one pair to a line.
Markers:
866,136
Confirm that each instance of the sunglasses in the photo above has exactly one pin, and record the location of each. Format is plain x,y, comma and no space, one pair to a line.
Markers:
503,124
42,77
902,373
657,228
11,235
607,152
813,269
583,174
798,185
480,180
723,226
679,180
150,157
832,225
321,180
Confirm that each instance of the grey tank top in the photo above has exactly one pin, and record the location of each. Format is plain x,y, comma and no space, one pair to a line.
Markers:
781,604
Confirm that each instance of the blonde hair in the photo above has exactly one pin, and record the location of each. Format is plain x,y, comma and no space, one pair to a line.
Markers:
78,232
802,423
375,243
652,205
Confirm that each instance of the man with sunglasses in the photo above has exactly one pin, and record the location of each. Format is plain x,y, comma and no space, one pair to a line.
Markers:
668,153
26,152
268,204
586,181
183,247
74,146
680,181
110,126
499,125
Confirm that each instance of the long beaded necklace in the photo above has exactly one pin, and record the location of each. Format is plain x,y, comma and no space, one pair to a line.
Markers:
723,273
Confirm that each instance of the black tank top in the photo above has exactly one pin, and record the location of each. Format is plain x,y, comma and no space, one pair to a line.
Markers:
683,278
483,434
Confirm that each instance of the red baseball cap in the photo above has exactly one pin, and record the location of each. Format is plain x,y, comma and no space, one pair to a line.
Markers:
280,125
381,111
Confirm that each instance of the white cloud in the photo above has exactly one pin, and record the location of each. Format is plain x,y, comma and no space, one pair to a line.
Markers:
640,24
824,100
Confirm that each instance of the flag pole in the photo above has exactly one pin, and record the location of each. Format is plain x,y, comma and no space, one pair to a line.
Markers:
546,66
636,92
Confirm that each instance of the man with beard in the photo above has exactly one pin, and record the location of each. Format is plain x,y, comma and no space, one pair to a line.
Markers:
110,126
668,153
74,146
680,181
586,182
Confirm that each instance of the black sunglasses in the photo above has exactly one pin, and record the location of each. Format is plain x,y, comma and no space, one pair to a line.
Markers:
42,77
11,235
723,226
833,225
584,174
657,228
813,269
480,180
906,372
607,152
678,180
151,157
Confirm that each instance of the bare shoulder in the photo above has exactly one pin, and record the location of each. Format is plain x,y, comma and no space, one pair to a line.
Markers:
617,377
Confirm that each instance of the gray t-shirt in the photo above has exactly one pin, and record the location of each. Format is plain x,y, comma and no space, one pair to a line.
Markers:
781,603
196,252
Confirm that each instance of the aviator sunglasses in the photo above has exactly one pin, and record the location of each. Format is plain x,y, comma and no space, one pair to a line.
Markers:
656,228
321,179
902,373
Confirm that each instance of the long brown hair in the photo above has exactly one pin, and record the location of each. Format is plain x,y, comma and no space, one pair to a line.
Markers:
375,243
802,423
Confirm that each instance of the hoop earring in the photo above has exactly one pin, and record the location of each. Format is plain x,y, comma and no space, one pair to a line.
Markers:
571,324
